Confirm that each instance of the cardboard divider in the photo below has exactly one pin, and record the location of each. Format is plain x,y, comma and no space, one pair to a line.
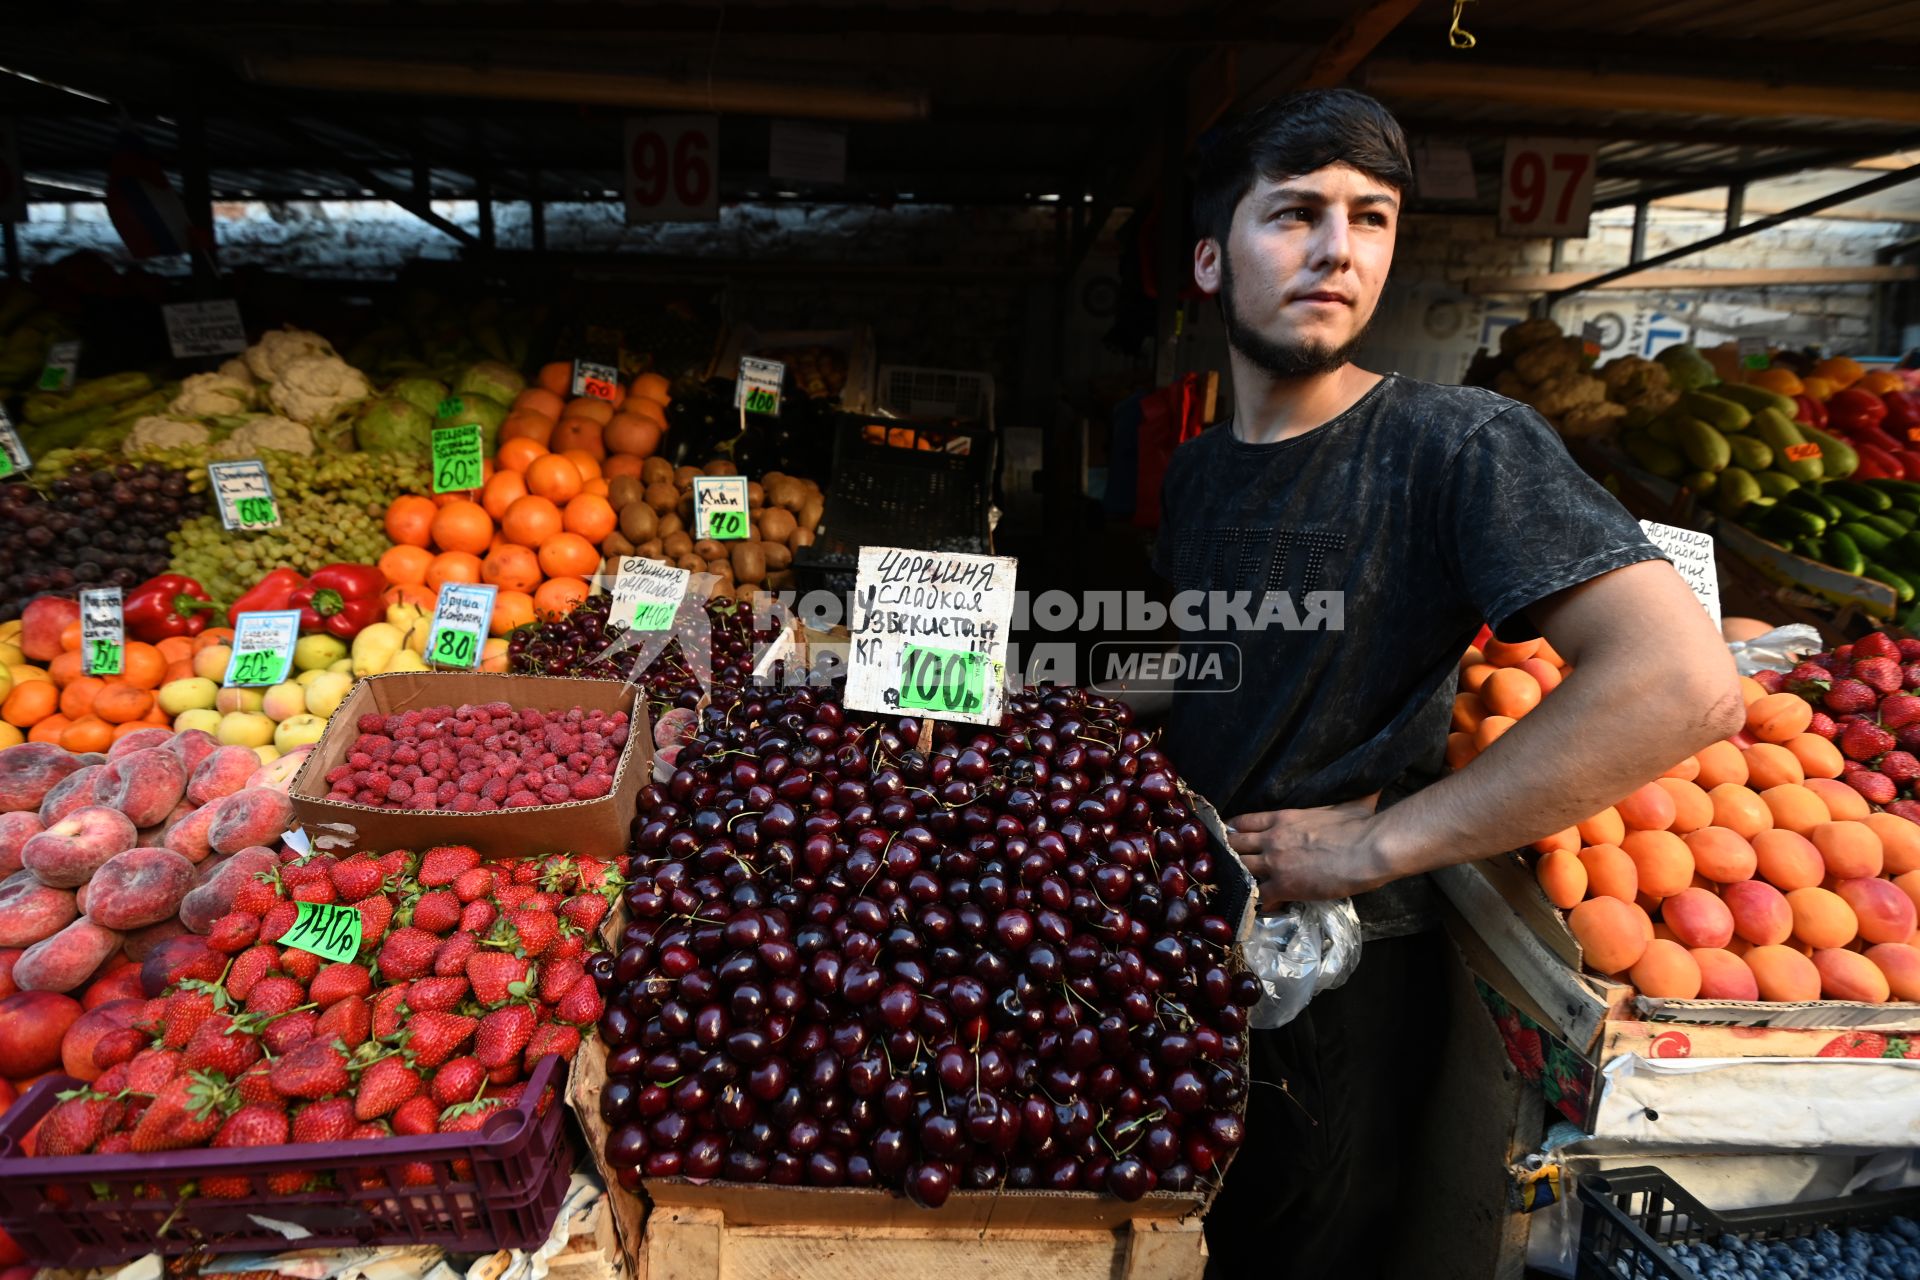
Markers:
597,828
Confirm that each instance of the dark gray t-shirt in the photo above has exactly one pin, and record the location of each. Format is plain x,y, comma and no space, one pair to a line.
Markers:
1427,509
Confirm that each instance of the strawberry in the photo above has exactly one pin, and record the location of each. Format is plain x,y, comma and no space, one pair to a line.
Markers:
538,930
349,1020
329,1120
1910,676
556,976
278,920
1901,766
527,871
1875,644
234,932
583,1004
1880,674
416,1116
77,1123
503,1034
319,889
384,1086
1909,650
435,1037
225,1044
395,863
437,911
1849,695
1809,678
251,965
1855,1044
1908,809
258,893
254,1086
254,1125
293,1183
376,913
1875,787
187,1112
300,965
306,870
597,876
337,982
1865,741
468,1117
152,1070
552,1037
435,995
570,947
1823,724
290,1031
450,959
509,896
1898,710
187,1008
317,1069
457,1081
444,865
478,917
1771,681
539,900
357,877
496,976
506,1073
387,1008
226,1186
274,994
474,884
584,911
407,953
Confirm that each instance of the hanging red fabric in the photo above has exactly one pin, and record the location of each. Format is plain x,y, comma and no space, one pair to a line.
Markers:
1169,417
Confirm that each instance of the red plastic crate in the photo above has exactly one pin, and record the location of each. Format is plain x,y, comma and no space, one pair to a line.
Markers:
91,1211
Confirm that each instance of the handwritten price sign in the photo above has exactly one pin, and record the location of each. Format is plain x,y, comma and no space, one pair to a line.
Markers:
1546,187
326,929
596,381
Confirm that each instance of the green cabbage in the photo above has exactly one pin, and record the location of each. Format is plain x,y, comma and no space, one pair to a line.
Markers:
424,394
468,406
393,423
491,379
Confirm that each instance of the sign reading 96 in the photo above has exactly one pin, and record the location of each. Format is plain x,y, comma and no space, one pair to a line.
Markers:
1546,187
672,171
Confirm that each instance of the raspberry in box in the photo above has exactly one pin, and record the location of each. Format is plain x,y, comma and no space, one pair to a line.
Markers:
597,828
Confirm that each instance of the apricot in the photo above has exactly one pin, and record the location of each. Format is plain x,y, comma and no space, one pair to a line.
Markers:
1569,840
1900,964
1822,918
1544,673
1720,764
1760,912
1722,856
1849,849
1909,884
1686,771
1663,861
1468,712
1724,976
1604,827
1848,975
1771,766
1842,801
1460,750
1752,690
1795,808
1563,878
1818,758
1490,730
1739,810
1698,918
1778,717
1665,971
1661,931
1885,914
1510,691
1899,842
1473,678
1692,809
1610,872
1788,860
1613,935
1648,808
1781,973
1503,653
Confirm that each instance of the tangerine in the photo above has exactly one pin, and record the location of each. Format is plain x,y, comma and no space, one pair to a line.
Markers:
599,412
511,568
453,566
30,702
556,378
501,492
530,521
591,517
519,454
88,733
410,519
119,703
541,401
555,478
557,597
511,609
585,461
405,565
77,698
632,433
462,526
568,555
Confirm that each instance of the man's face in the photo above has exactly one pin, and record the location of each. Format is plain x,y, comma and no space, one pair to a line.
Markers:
1302,269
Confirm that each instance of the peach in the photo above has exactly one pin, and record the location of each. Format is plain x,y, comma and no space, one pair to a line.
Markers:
188,837
1663,861
138,888
1901,965
1648,808
30,911
176,960
75,791
67,853
1604,827
1739,810
1772,766
1692,809
1724,976
1563,878
1848,849
1665,971
15,830
145,785
1819,759
1610,872
191,746
155,836
212,897
1778,717
41,623
1822,918
1698,918
1781,973
278,775
139,740
1612,934
1848,975
1721,764
1761,914
29,770
211,662
1722,856
1795,808
116,984
258,815
1788,860
1885,914
9,956
221,774
67,959
32,1024
76,1047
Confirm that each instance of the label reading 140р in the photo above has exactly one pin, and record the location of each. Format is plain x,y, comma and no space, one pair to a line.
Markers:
646,594
103,631
326,929
720,507
460,620
244,495
263,647
953,681
456,457
13,454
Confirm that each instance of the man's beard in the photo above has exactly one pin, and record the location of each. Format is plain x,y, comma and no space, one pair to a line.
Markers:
1304,359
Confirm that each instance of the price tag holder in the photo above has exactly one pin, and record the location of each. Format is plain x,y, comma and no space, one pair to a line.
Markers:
244,495
757,390
1692,554
103,631
13,454
263,647
929,633
460,620
1592,339
326,929
1753,353
646,595
1913,435
63,361
205,328
598,381
1802,452
457,457
720,508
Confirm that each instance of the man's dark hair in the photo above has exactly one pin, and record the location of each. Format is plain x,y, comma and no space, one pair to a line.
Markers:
1293,135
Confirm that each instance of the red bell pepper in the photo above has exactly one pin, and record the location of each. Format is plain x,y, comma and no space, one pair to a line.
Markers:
1877,437
1852,409
1810,411
169,605
1903,414
269,595
1879,464
1909,463
341,600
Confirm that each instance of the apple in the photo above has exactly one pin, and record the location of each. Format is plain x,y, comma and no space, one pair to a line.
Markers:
41,624
268,754
244,729
284,701
230,700
205,719
298,731
318,652
327,692
211,662
190,694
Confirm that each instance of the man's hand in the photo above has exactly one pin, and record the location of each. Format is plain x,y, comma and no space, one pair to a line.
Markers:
1309,855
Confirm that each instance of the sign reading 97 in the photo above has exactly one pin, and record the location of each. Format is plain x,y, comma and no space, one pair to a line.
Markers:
1546,187
671,173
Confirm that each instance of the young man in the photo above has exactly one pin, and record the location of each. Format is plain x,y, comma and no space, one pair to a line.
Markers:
1425,509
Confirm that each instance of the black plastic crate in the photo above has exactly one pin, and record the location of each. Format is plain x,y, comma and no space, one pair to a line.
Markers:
1631,1218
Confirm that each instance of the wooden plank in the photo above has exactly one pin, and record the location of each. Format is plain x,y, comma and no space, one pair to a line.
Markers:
1359,36
685,1244
1165,1250
1697,278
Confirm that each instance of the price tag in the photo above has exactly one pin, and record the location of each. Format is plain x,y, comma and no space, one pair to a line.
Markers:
720,508
1546,187
13,454
460,620
930,633
1692,554
600,381
1592,338
103,631
63,359
1753,353
205,328
456,457
1802,452
263,647
1913,435
757,390
244,495
646,595
326,929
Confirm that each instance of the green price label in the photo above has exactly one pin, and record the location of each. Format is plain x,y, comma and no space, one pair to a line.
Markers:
6,464
454,648
256,667
727,524
456,457
449,407
653,615
256,511
103,658
943,680
1758,360
326,929
52,378
761,400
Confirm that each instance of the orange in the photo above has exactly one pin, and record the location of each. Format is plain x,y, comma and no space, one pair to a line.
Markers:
598,488
66,668
212,636
414,594
632,433
597,411
30,703
511,609
462,526
500,492
406,565
554,477
530,521
557,596
142,665
577,434
541,401
556,378
88,733
174,648
453,566
70,637
647,411
511,568
568,555
181,670
50,729
518,455
119,703
524,425
651,386
623,464
410,520
77,698
591,517
587,463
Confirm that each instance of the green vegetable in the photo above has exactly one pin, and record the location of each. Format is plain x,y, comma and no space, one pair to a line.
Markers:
1788,521
1737,489
1705,447
424,394
1720,414
93,393
1701,483
1838,459
1781,434
491,379
1860,495
1775,484
1840,551
1902,586
393,423
1870,540
1658,458
1756,398
1687,368
1811,499
1750,452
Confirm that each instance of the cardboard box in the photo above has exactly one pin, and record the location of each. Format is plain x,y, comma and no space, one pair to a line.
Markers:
598,828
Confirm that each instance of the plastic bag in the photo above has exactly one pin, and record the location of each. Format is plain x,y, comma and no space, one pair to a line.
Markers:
1780,649
1308,948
